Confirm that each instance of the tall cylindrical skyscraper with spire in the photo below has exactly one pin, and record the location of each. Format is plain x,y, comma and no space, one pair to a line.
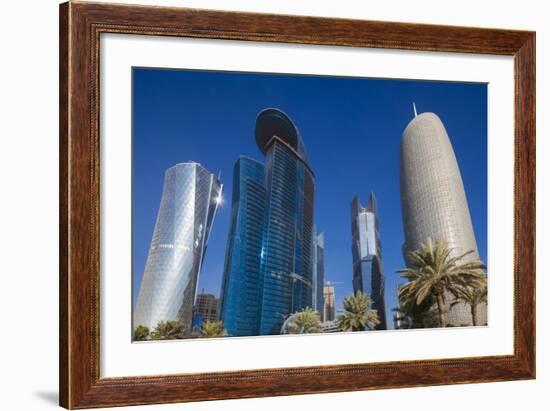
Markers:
433,200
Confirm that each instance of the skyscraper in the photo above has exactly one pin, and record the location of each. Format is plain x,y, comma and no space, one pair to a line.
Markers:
240,296
318,273
329,306
190,198
433,199
286,263
268,272
367,255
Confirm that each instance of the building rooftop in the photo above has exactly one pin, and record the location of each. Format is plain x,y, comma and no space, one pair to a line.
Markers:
273,122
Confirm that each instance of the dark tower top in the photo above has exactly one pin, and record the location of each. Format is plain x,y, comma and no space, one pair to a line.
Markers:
272,123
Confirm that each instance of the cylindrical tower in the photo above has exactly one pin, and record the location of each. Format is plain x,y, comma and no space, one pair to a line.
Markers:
190,197
432,196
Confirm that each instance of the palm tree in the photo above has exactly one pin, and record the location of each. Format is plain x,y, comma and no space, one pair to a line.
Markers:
168,330
141,333
434,272
417,316
213,329
303,322
358,314
473,296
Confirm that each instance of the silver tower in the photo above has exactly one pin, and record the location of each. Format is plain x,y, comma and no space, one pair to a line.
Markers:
433,199
190,198
367,255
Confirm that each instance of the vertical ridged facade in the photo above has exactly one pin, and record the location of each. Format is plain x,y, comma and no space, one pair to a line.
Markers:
268,272
286,256
318,273
367,255
240,295
433,199
190,198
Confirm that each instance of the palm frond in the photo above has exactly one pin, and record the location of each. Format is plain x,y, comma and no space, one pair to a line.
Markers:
433,272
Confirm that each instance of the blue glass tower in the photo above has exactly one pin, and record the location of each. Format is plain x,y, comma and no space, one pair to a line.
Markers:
240,295
286,257
367,255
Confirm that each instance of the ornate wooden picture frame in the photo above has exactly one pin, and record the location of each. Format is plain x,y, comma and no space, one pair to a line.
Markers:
81,24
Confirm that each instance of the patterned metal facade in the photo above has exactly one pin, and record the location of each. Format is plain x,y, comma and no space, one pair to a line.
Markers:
190,197
433,199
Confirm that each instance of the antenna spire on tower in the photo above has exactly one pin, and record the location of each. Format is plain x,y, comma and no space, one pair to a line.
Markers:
414,108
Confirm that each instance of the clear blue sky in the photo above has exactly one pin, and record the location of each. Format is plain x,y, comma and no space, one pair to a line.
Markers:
351,128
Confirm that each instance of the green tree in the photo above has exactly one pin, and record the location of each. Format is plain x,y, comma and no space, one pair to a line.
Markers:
305,321
168,330
473,296
434,272
358,314
213,329
141,333
417,316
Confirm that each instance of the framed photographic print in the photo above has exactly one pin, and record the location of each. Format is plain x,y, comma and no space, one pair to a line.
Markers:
257,205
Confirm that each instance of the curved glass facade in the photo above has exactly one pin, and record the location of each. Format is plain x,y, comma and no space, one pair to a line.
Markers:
190,197
268,272
367,255
286,263
241,278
